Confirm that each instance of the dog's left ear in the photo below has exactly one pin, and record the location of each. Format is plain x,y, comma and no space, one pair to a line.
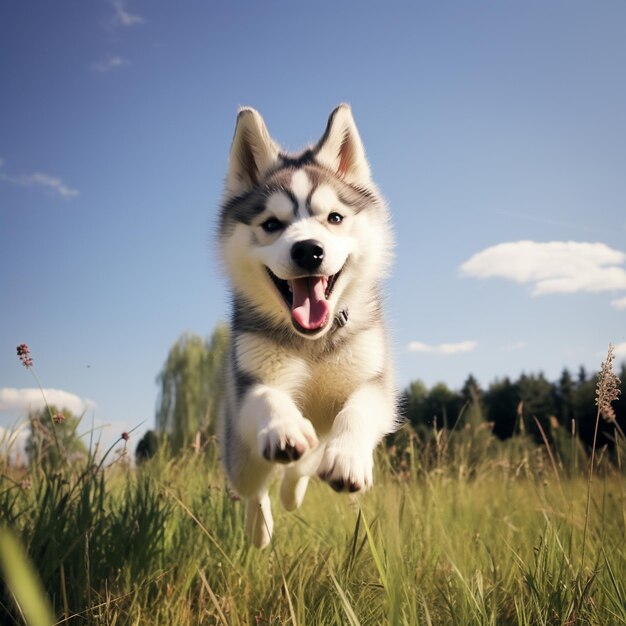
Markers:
341,148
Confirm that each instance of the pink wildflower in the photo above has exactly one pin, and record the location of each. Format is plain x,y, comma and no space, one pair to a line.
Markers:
23,352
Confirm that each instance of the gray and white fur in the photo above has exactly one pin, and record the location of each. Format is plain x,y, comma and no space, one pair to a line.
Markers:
305,241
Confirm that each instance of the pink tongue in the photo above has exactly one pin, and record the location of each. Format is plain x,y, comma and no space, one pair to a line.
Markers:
309,307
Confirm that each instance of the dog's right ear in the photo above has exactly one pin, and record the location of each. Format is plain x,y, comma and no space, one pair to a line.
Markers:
252,154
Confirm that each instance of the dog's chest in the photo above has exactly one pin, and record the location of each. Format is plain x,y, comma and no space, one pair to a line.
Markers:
332,379
319,384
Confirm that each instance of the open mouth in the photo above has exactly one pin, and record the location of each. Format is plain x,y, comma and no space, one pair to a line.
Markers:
307,298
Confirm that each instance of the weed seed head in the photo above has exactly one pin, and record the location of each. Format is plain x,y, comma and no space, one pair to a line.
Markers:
58,418
23,352
607,390
125,436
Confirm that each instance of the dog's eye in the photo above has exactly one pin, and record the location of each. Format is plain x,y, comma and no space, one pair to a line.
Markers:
335,218
272,225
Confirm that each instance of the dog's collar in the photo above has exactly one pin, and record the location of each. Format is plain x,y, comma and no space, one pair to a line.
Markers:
341,319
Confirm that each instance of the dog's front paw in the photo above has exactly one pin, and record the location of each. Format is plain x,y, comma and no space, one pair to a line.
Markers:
286,441
345,469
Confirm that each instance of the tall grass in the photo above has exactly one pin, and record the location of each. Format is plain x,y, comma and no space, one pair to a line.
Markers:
460,528
469,530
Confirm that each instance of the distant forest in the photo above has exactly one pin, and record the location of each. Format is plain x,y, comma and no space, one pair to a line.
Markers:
511,406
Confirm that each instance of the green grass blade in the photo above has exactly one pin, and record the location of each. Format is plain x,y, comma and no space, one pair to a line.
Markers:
375,554
23,581
347,607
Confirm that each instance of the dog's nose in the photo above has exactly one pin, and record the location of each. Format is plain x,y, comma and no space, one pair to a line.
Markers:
307,254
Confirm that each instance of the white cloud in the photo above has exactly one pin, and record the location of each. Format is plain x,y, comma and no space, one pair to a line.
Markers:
620,350
620,303
15,403
124,17
96,434
41,180
442,348
552,267
110,63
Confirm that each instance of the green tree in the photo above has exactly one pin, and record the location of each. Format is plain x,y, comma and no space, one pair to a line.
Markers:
53,439
147,447
471,391
442,406
217,350
473,405
565,398
191,387
585,408
501,402
537,395
413,403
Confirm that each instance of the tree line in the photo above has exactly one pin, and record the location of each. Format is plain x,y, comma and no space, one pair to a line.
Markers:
191,391
527,405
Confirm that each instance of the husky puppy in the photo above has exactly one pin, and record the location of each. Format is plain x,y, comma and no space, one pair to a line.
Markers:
305,240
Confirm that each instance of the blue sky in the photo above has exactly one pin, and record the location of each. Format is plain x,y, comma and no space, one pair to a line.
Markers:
485,124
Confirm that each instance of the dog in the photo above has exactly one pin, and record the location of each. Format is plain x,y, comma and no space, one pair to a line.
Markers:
305,241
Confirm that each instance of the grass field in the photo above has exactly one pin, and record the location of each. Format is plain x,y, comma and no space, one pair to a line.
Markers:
462,530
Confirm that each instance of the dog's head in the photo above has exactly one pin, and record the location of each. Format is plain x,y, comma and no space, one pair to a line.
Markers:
297,231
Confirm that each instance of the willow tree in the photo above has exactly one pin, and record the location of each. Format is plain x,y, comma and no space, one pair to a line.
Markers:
191,383
53,438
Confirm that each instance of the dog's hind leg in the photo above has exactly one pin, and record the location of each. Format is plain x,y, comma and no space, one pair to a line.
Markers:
259,520
296,479
250,477
292,489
